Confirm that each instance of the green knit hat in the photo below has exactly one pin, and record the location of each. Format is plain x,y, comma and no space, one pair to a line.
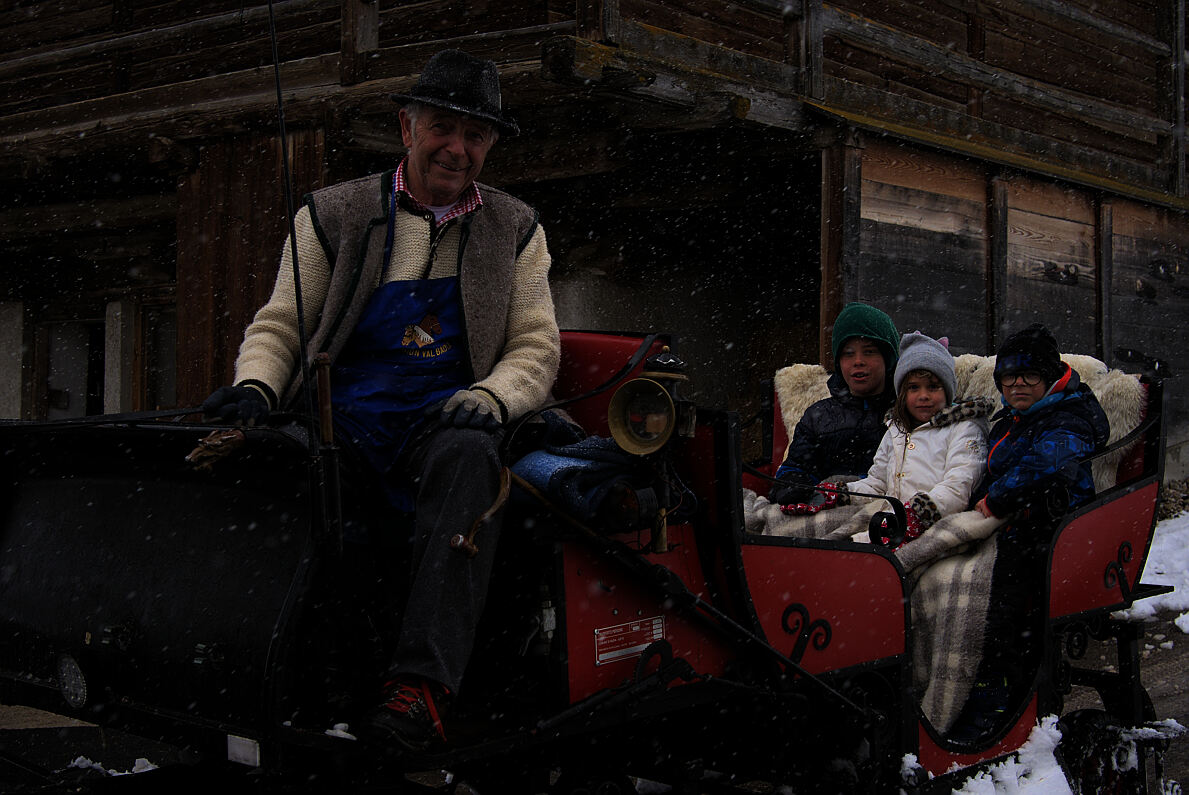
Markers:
861,320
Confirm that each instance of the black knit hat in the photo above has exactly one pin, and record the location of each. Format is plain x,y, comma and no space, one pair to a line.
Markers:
1032,349
455,80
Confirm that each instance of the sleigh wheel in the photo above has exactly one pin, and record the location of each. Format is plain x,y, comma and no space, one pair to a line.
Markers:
1095,756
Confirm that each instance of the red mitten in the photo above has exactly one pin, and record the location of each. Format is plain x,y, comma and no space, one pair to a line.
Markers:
830,492
830,499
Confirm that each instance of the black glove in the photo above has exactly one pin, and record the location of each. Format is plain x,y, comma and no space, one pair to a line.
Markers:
468,408
789,492
239,404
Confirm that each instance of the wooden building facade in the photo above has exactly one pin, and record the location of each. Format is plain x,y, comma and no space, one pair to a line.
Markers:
730,172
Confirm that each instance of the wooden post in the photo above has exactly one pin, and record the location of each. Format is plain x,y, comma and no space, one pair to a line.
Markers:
996,261
1104,262
842,166
360,37
812,48
1177,171
597,20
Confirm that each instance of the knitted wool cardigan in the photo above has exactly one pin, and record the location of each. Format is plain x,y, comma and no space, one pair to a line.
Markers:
498,252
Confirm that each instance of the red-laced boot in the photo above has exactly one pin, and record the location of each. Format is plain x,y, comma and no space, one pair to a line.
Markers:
408,715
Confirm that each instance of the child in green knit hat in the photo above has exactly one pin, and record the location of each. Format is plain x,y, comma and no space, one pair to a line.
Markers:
838,435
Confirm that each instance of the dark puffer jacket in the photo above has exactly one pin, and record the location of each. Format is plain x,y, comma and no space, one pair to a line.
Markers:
837,435
1048,442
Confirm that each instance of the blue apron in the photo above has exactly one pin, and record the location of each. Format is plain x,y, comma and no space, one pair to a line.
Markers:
407,352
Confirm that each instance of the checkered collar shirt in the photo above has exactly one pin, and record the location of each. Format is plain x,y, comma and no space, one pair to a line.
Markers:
470,200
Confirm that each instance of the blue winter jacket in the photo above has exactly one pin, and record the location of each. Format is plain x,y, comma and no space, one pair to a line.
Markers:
1050,441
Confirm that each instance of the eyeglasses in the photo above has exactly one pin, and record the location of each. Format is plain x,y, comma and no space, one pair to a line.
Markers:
1029,378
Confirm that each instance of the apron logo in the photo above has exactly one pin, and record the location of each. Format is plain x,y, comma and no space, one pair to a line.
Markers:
422,333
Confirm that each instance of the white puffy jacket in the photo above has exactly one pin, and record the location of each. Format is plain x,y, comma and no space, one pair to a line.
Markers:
944,459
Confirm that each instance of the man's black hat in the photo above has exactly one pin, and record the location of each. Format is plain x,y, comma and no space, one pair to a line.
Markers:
1032,349
455,80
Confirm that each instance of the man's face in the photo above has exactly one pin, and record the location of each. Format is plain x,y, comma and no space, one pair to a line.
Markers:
446,153
862,366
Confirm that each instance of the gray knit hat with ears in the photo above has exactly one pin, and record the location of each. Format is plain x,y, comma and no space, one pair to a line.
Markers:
921,352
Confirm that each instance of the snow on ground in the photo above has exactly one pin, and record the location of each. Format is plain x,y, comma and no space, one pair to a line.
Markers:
1168,564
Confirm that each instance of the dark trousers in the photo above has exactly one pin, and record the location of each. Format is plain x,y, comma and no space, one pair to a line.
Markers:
1012,636
455,475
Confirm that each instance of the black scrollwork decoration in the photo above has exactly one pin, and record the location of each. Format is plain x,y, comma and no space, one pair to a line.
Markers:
795,621
1115,575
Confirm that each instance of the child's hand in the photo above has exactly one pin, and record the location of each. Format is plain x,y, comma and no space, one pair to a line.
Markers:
981,507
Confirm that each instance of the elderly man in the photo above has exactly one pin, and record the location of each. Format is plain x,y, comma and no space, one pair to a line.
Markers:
430,292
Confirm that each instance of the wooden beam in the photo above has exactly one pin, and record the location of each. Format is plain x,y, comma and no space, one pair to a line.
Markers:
718,84
53,58
1121,33
812,44
36,222
505,47
181,110
360,38
941,60
957,132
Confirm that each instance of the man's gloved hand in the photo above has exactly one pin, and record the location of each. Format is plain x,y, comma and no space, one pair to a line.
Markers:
239,404
787,492
470,408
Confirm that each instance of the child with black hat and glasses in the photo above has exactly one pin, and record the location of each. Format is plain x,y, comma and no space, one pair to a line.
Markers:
1040,446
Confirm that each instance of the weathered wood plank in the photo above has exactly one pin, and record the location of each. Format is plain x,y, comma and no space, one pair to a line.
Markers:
922,209
182,110
249,23
360,36
893,74
919,169
865,33
504,46
34,222
940,23
44,24
1051,273
435,20
228,248
926,280
1143,17
996,143
1050,56
754,31
1096,26
1134,145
